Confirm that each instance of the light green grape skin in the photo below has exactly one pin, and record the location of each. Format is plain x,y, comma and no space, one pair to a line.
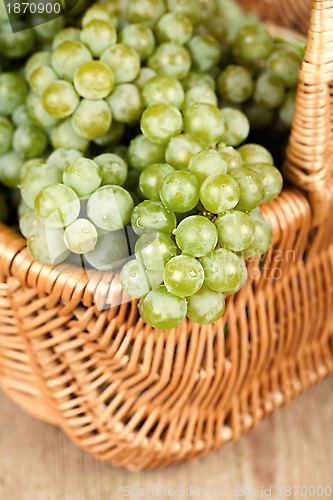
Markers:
196,95
83,176
138,281
29,141
193,9
237,126
196,236
13,92
10,169
64,136
154,250
152,177
62,157
205,163
219,193
94,80
160,122
144,76
285,62
142,152
163,89
35,178
206,121
146,12
60,99
57,206
162,310
41,78
206,306
46,245
39,116
18,44
6,133
287,110
235,230
174,27
252,191
92,119
21,116
27,222
68,56
97,11
172,59
231,156
80,237
252,42
98,34
223,269
113,169
110,252
272,180
64,35
205,51
36,60
255,153
196,79
183,275
179,191
124,62
126,103
235,84
110,208
262,238
139,37
269,91
181,149
152,216
28,164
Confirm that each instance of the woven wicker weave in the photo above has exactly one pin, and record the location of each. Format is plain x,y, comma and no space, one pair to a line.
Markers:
142,398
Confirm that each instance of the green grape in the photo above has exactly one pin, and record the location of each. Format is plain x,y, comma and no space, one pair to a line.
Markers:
126,103
6,133
205,163
27,222
29,141
98,34
138,281
92,119
235,84
285,62
35,178
69,33
97,11
63,157
46,245
139,37
21,116
124,62
206,121
205,52
13,92
179,191
163,89
235,230
183,275
154,250
64,136
41,78
287,110
142,152
83,176
152,177
196,95
146,12
113,135
219,193
10,169
196,79
224,270
269,91
252,42
190,8
144,76
181,149
258,116
206,306
161,309
237,126
93,80
252,191
68,57
196,236
46,28
60,99
272,180
57,205
35,61
80,237
262,237
174,27
110,208
27,165
18,44
172,59
39,116
255,153
112,168
153,216
230,155
160,122
110,252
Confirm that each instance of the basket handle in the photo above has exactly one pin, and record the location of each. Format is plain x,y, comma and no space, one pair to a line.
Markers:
309,152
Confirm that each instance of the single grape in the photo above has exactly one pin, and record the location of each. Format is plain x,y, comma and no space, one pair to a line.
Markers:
110,208
252,42
57,205
35,178
93,80
97,35
10,169
235,230
111,251
36,60
272,180
262,237
138,281
255,153
13,92
124,62
179,191
162,309
235,84
46,245
196,95
154,250
139,37
37,113
69,33
146,12
285,62
174,27
63,157
180,150
92,119
172,59
98,11
269,91
67,57
41,78
21,116
160,122
205,52
193,9
163,89
223,269
113,169
206,121
251,185
183,275
196,236
29,141
206,306
205,163
219,193
83,176
237,126
64,136
142,152
18,44
126,103
230,155
81,236
6,133
152,177
196,79
153,216
60,99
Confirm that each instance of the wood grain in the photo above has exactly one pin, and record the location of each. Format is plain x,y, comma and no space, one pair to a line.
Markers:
291,447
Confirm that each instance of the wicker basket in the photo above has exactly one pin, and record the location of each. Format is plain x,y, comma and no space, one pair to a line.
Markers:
142,398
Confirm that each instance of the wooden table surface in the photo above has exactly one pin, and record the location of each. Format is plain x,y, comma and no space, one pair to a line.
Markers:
292,447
